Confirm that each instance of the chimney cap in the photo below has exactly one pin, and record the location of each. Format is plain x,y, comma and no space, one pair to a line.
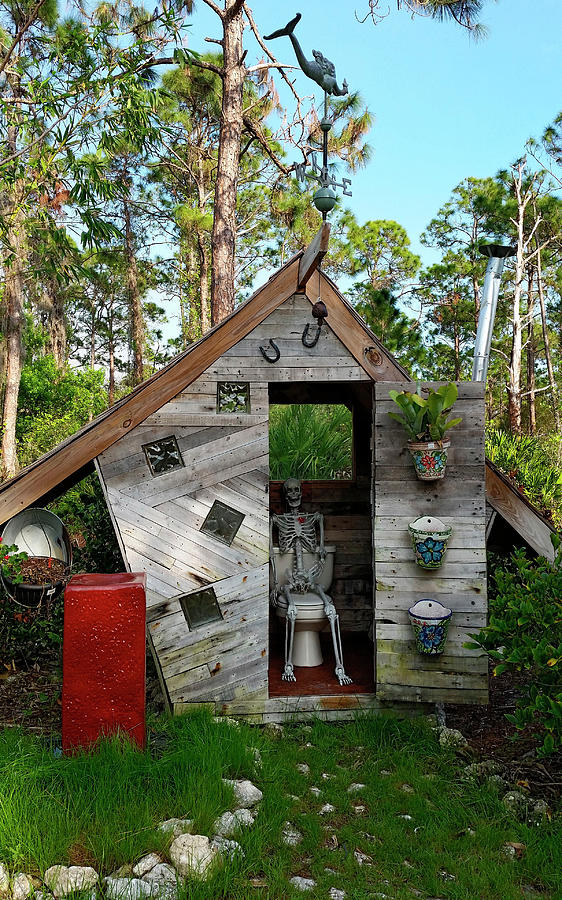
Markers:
497,250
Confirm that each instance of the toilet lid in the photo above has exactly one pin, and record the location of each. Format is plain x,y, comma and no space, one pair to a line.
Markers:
303,600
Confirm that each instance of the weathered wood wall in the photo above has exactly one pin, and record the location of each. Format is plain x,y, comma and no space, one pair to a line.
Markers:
459,675
225,456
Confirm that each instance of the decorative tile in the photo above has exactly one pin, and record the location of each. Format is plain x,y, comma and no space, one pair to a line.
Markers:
222,522
233,397
200,608
163,455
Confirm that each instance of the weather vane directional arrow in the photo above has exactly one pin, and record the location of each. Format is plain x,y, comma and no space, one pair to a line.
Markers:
323,72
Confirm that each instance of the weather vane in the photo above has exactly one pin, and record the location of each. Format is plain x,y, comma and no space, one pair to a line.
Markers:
323,72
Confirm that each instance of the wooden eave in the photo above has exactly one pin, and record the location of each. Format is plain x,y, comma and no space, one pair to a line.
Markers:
72,458
517,510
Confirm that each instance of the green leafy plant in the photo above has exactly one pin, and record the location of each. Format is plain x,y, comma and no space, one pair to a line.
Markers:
425,419
10,562
525,636
532,463
310,441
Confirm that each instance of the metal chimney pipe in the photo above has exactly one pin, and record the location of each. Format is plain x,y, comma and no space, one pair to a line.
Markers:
497,257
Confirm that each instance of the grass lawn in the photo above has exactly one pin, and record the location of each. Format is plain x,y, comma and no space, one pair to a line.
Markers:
418,827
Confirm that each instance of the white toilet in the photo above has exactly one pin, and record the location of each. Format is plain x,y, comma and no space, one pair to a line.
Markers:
311,617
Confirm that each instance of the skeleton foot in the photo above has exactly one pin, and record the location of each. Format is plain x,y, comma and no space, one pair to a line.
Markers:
288,673
342,677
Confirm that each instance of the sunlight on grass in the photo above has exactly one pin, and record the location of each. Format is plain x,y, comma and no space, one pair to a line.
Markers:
416,822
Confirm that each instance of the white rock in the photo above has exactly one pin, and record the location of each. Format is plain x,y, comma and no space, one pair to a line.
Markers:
175,827
302,884
407,788
145,864
290,835
63,880
226,720
308,745
226,847
406,817
127,889
336,894
303,768
327,777
327,808
41,895
192,854
356,786
362,859
246,793
4,880
316,791
452,737
163,879
231,822
274,729
359,809
162,874
385,773
22,886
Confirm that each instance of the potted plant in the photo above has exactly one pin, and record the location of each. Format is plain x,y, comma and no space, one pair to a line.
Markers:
425,421
430,621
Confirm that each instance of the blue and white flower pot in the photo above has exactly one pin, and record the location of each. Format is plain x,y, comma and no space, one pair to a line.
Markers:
429,539
430,621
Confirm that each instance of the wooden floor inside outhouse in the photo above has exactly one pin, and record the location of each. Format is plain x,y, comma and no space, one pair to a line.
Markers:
321,680
346,508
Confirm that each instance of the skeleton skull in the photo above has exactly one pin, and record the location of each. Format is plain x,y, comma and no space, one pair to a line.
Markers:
293,493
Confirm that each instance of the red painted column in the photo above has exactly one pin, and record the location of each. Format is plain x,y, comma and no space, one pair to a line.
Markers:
104,661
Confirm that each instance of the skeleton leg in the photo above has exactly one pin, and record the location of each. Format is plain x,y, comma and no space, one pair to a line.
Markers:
334,621
288,671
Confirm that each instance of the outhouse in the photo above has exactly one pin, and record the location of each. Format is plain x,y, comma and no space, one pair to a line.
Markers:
183,461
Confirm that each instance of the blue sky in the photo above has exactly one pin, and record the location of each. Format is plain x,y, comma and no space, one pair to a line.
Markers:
445,106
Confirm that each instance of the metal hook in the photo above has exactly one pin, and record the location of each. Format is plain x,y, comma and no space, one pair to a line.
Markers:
276,351
314,341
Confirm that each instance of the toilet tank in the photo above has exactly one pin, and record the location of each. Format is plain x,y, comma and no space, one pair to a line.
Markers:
284,565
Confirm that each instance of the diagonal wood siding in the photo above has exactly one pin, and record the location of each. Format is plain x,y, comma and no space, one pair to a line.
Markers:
226,458
459,675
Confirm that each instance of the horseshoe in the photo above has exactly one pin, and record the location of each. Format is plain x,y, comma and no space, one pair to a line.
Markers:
276,352
314,340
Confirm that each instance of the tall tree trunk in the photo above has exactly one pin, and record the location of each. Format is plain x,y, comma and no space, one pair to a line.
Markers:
457,343
531,352
204,264
514,382
548,356
136,323
14,267
223,240
56,344
14,323
192,278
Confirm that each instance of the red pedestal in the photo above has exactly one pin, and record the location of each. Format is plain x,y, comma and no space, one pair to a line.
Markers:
104,661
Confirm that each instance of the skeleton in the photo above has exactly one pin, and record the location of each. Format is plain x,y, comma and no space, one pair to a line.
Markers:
298,532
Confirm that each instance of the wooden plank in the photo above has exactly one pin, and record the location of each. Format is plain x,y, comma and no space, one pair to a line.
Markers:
445,664
313,255
401,693
519,513
352,331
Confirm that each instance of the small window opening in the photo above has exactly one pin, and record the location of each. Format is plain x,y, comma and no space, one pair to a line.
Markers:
222,522
310,441
163,455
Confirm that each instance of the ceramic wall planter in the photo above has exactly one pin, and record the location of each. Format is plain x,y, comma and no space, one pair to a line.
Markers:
430,458
429,539
430,622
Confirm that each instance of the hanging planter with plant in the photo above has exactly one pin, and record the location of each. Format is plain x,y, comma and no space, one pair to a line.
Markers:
429,538
425,422
430,622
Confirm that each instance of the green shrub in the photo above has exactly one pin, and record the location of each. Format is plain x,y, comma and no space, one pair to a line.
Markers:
532,463
525,635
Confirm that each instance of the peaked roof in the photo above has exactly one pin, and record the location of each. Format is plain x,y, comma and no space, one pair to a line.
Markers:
70,460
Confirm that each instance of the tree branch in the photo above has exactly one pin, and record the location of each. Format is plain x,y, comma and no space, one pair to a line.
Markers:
254,129
26,25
